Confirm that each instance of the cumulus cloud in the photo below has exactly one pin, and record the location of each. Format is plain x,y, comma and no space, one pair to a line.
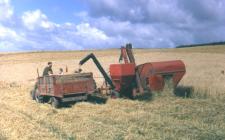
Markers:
207,10
34,31
66,36
36,19
6,32
141,11
160,23
6,10
9,38
112,23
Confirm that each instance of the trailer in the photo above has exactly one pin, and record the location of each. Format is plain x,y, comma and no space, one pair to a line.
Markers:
58,89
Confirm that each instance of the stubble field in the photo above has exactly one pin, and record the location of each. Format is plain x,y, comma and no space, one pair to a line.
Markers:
201,115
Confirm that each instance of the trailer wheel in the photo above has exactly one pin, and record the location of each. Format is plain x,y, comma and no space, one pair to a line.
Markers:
38,97
55,102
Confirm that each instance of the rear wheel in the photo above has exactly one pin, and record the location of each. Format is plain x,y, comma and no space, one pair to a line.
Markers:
55,102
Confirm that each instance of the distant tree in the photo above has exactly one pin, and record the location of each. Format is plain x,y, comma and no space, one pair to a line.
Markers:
202,44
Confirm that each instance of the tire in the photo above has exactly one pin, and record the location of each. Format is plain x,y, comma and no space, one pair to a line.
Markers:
38,97
55,102
46,99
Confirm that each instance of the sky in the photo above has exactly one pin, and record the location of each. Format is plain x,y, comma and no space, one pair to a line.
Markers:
28,25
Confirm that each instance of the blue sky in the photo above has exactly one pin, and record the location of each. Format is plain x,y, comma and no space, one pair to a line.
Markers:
27,25
58,11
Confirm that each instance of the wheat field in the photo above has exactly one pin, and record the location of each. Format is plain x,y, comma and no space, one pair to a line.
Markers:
200,115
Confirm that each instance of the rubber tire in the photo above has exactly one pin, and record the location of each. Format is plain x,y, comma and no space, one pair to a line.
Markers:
55,102
38,98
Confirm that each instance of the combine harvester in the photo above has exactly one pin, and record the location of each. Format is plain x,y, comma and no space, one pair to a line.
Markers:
131,80
126,80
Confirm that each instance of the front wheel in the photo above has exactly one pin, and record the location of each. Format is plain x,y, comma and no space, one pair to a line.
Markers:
55,102
38,97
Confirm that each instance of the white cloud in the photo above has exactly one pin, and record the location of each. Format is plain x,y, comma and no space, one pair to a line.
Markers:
67,44
6,10
36,19
159,23
35,32
86,31
145,23
7,32
10,40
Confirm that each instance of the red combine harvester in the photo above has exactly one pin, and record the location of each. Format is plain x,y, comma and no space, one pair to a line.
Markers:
57,89
131,80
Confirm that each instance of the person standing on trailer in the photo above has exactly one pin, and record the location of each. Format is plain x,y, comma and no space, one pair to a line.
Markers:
61,71
48,69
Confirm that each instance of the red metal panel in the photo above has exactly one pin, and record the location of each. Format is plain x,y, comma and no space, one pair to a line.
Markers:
123,82
77,87
60,85
86,85
151,74
122,69
122,75
156,82
42,85
177,77
168,67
